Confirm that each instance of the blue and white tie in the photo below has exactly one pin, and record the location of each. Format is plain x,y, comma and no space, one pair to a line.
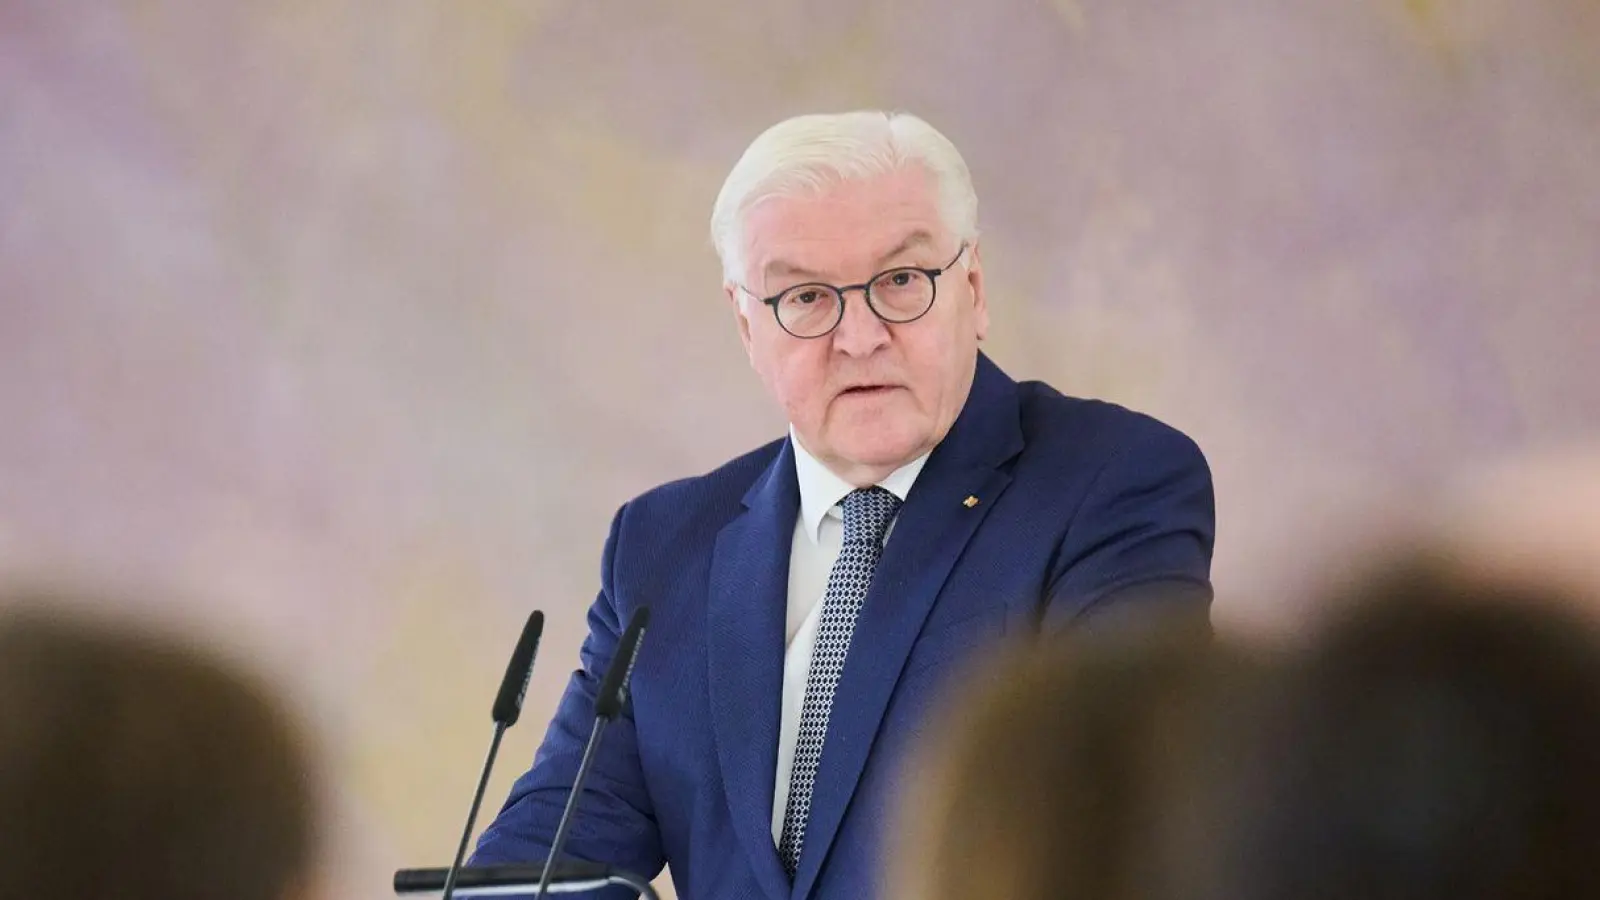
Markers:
867,513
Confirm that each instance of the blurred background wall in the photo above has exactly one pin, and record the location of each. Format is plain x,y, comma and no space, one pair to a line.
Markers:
359,318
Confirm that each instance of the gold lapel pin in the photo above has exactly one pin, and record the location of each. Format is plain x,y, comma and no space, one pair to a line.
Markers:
970,502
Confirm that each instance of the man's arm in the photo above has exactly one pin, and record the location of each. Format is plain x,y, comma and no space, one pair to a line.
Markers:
1139,547
615,823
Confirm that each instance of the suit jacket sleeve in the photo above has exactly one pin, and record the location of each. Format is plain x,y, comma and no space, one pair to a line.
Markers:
1140,543
615,823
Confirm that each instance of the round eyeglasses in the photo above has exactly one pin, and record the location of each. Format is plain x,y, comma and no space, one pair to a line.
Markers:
896,296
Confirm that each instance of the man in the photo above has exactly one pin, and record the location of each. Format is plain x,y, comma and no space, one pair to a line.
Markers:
810,597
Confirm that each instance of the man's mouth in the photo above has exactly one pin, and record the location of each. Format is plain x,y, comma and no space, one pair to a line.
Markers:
866,390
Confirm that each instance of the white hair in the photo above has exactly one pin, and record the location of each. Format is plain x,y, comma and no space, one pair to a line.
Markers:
810,153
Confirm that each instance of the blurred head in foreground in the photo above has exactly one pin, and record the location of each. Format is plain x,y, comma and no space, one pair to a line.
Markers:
133,765
1439,738
1042,780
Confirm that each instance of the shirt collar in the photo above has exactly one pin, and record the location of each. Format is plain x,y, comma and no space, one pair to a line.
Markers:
821,489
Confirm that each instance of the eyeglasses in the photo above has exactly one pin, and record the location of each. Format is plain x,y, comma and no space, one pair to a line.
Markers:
896,296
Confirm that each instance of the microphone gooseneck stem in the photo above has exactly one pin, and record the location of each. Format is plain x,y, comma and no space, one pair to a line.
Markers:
639,885
572,803
472,814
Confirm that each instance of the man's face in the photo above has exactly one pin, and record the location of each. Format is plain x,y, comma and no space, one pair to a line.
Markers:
870,396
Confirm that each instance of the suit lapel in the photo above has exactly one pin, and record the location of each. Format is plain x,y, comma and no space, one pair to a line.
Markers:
746,613
932,530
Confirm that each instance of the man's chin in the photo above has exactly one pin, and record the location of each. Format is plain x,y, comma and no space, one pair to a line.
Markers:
883,451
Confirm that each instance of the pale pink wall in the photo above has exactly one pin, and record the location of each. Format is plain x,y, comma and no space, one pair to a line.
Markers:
362,317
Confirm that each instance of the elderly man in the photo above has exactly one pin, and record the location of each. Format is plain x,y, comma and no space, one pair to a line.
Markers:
810,597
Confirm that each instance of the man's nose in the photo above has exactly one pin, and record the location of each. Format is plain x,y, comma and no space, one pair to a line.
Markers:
860,332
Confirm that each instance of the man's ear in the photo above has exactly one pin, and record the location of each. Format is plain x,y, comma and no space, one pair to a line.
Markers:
741,317
980,300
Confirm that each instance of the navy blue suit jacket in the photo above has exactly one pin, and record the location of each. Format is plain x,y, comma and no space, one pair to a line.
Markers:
1079,501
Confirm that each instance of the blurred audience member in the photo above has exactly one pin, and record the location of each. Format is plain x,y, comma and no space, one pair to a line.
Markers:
1439,739
133,766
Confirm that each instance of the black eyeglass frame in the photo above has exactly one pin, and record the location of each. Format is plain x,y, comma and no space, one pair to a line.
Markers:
866,292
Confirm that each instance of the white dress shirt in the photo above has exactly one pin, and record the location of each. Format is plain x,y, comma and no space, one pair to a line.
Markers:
818,533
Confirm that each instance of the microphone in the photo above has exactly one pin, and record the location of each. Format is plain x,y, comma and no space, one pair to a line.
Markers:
614,687
519,671
608,704
507,708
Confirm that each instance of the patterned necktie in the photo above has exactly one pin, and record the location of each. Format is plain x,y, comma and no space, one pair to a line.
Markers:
867,513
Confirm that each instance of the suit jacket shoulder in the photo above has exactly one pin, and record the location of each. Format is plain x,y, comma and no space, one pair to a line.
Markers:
1066,427
658,530
685,502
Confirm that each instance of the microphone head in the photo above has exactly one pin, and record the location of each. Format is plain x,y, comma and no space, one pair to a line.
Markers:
614,688
514,687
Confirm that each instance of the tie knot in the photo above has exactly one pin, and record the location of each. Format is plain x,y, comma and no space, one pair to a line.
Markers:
867,513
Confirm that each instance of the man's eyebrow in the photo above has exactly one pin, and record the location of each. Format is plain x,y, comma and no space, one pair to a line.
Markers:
783,268
780,268
914,240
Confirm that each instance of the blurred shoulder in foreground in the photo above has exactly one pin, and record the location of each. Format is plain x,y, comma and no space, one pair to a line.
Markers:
1045,775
